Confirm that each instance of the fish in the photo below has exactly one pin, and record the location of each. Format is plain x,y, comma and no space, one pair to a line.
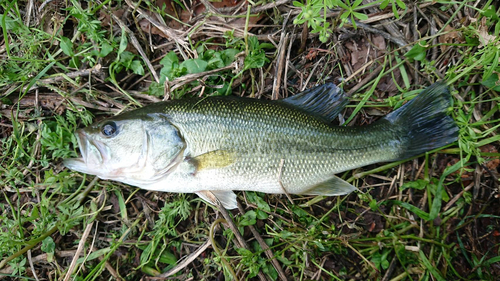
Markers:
216,145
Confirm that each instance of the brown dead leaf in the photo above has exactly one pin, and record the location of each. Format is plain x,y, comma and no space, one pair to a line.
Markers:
197,8
359,51
492,164
484,37
105,18
379,42
312,54
451,36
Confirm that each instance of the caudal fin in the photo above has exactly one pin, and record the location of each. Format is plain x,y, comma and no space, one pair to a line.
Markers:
424,123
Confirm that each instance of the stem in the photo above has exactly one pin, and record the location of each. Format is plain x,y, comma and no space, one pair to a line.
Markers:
30,245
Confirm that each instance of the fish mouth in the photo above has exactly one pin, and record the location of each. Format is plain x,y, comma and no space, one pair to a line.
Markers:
93,153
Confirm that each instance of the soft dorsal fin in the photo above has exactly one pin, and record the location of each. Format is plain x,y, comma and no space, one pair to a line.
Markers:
326,101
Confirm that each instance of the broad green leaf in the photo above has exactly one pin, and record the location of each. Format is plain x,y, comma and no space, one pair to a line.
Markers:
255,60
249,218
229,55
10,23
168,257
401,4
261,215
170,59
123,42
194,65
418,51
105,50
360,16
136,67
126,58
67,46
384,4
418,184
48,246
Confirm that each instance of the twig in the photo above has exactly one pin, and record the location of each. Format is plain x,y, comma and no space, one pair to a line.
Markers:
280,60
391,15
137,46
167,31
366,79
81,244
217,250
287,63
89,105
456,197
61,77
33,243
111,270
389,271
32,266
304,86
269,6
43,5
398,41
181,81
29,10
91,249
265,248
209,7
187,260
242,243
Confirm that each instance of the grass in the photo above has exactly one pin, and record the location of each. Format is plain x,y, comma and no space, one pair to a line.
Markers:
434,217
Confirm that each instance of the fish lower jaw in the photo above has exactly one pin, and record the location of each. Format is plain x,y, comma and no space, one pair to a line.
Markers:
77,164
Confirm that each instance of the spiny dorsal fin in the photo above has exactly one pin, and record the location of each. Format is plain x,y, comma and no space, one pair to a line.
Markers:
326,101
332,187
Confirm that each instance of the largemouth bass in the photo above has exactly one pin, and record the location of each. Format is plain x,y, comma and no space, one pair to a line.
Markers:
215,145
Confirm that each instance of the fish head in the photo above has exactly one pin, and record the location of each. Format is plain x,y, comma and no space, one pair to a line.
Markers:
132,149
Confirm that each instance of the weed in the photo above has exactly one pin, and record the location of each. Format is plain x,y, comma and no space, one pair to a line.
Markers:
170,216
314,13
434,217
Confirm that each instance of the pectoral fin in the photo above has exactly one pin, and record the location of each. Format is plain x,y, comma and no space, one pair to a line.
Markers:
226,198
213,159
332,187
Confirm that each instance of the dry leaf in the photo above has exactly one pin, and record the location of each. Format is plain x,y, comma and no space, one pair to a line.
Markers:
484,37
450,37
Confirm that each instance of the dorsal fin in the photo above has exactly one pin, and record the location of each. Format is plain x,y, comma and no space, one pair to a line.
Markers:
326,101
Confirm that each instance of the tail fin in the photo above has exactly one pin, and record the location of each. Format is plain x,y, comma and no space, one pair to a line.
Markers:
423,121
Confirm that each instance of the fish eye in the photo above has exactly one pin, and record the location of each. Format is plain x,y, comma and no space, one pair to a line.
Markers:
109,129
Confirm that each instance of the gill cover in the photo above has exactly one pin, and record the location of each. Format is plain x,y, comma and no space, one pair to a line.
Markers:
129,148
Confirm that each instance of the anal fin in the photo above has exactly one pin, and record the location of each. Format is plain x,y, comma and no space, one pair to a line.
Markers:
332,187
226,198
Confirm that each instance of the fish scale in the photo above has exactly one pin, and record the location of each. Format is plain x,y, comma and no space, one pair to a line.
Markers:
303,142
